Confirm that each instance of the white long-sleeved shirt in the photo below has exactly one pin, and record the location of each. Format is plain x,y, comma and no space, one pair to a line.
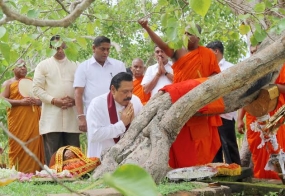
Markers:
53,79
100,130
96,78
162,81
223,66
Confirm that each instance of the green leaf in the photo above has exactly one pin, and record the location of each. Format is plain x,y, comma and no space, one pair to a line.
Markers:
24,9
258,27
162,2
234,35
171,22
71,51
259,7
50,52
33,36
201,7
244,29
192,29
90,29
32,13
82,42
5,50
260,36
253,41
4,103
2,31
131,180
1,14
66,39
164,19
244,16
171,33
281,25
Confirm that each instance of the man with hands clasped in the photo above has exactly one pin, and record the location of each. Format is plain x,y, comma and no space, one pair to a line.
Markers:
109,115
159,74
53,84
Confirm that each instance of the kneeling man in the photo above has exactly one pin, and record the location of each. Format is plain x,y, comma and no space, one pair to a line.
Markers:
110,114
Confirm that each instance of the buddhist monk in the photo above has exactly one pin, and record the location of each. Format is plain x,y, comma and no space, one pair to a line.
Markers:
198,141
23,122
138,69
260,156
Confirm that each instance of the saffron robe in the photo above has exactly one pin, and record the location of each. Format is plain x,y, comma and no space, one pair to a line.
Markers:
198,141
261,156
24,124
138,90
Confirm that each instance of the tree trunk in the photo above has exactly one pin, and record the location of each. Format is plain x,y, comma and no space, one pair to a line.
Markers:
148,140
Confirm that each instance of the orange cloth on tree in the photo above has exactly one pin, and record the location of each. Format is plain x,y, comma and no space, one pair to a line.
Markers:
138,90
261,156
198,141
24,124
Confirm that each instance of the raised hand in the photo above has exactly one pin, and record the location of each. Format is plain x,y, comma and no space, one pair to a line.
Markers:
143,22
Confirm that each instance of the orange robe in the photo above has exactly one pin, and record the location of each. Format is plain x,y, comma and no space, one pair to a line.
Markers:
198,141
261,156
138,90
24,124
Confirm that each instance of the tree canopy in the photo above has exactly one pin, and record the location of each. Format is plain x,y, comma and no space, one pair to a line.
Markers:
27,25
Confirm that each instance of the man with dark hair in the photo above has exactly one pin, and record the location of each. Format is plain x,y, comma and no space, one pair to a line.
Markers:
52,83
199,136
227,131
92,78
159,74
110,114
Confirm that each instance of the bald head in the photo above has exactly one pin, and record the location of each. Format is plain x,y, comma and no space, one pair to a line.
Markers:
138,67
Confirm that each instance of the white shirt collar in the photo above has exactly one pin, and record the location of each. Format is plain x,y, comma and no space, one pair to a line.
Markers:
222,62
93,61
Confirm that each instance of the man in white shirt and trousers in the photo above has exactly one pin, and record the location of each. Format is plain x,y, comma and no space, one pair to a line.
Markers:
109,115
227,130
92,78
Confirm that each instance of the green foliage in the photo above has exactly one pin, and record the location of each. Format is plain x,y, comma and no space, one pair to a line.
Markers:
42,188
166,188
131,180
201,7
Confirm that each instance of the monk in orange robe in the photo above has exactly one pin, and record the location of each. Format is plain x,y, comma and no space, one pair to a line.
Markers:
138,69
261,156
198,141
23,122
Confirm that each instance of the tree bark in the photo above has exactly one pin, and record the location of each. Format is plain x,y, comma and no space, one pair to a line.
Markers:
148,140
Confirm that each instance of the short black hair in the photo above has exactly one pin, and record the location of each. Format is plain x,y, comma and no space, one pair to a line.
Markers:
118,78
55,37
101,39
216,45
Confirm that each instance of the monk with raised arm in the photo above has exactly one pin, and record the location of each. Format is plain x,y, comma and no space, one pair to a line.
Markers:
198,141
138,69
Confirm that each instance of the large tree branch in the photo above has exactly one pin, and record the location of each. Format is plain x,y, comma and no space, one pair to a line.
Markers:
65,22
266,61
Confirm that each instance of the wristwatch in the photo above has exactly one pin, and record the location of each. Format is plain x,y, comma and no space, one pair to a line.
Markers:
166,73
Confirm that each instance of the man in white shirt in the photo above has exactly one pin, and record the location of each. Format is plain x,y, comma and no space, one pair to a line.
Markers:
159,74
52,84
93,76
109,115
227,130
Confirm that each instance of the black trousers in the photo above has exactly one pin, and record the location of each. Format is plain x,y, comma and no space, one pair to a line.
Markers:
229,143
55,140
